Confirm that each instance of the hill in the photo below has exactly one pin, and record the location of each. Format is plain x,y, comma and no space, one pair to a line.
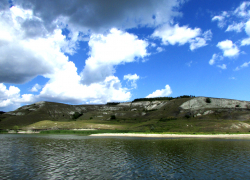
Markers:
183,114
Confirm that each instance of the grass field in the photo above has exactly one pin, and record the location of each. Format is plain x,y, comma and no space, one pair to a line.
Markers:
191,125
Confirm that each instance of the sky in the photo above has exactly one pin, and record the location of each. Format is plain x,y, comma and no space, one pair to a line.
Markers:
93,52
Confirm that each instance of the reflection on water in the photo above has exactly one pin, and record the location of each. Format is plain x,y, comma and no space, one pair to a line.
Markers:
82,157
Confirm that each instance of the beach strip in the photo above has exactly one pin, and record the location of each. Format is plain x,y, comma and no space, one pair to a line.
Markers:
174,135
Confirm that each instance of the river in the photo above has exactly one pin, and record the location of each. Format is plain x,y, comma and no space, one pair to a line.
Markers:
36,156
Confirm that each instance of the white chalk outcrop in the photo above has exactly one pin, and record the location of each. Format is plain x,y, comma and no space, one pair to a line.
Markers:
200,103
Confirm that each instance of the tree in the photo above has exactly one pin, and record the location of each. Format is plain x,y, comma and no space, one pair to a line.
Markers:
15,128
208,100
76,115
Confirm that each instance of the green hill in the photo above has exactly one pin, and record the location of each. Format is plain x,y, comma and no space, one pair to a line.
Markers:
183,114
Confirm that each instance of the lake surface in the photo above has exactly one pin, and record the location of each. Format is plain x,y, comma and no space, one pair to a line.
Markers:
83,157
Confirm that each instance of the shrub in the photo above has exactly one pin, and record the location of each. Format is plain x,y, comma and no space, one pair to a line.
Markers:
168,118
152,128
187,116
208,100
15,128
112,117
76,115
237,105
90,118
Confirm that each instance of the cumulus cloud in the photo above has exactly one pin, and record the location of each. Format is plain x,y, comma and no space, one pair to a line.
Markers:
221,19
132,79
29,57
109,50
245,42
229,49
244,65
223,66
159,49
242,9
182,35
10,98
35,88
176,35
161,93
200,41
247,28
99,16
240,17
237,27
65,86
215,58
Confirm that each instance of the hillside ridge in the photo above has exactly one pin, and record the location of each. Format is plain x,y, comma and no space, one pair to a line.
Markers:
195,108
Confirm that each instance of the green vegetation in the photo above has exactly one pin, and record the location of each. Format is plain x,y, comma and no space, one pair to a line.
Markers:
76,115
84,132
208,100
3,131
151,131
16,128
162,98
168,119
112,103
164,117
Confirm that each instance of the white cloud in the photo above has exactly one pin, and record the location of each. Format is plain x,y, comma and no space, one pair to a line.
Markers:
159,49
132,78
99,16
197,43
11,99
245,42
35,88
115,48
200,42
189,63
29,56
215,58
237,27
229,49
240,15
232,78
244,65
247,28
223,66
153,44
242,10
176,35
221,19
66,87
161,93
182,35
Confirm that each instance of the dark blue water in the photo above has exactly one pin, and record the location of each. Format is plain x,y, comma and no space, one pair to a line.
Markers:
83,157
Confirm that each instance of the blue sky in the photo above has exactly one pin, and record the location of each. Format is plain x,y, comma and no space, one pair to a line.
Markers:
91,52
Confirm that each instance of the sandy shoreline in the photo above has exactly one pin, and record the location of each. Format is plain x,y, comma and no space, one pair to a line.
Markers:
174,135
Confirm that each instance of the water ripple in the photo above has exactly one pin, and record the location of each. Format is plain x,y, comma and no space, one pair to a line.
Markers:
81,157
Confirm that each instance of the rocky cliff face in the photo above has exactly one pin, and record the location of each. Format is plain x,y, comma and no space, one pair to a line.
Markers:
227,108
201,103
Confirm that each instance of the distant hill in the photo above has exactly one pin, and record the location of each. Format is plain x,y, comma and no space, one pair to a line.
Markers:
145,114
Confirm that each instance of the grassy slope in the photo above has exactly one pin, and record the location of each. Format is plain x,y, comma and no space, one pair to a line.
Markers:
155,125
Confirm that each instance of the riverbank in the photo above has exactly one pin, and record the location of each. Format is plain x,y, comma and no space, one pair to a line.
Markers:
174,135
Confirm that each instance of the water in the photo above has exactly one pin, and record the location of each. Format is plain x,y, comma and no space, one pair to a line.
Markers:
83,157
